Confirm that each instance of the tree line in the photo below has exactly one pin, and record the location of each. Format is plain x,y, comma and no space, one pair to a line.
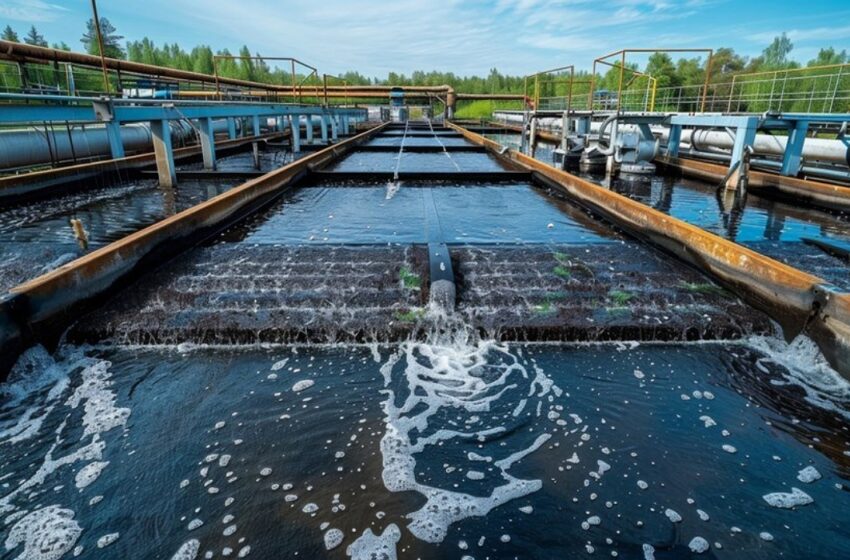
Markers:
685,72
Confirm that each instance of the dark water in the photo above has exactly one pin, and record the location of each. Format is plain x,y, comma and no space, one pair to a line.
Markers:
270,159
413,141
554,439
414,161
768,226
37,237
395,213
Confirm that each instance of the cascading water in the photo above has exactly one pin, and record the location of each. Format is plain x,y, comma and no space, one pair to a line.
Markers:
446,394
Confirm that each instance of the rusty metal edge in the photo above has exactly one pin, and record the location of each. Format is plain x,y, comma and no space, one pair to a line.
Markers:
41,309
796,300
817,193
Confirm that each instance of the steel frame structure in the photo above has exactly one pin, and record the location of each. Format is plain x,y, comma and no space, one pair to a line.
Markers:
623,52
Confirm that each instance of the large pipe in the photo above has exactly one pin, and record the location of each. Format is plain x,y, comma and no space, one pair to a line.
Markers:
814,149
21,52
38,146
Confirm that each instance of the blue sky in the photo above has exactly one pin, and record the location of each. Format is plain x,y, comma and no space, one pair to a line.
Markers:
464,36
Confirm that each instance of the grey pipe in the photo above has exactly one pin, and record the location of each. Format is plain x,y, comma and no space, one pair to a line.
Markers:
38,146
814,149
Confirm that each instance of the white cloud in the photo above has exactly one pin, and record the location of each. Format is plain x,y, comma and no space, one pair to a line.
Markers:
31,11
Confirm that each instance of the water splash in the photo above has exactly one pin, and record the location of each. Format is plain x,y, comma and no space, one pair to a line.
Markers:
804,365
447,393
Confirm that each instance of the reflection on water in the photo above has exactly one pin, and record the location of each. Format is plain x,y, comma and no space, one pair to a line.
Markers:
37,237
451,447
416,161
357,212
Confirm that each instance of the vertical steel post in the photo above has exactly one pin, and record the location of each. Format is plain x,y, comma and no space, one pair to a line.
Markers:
793,156
673,140
164,153
308,122
745,135
231,129
100,45
295,131
207,142
255,122
113,133
323,129
620,83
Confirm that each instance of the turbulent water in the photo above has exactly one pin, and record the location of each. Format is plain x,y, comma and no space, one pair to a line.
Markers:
445,446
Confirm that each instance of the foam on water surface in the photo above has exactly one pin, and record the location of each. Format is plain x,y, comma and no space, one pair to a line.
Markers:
426,381
593,446
45,534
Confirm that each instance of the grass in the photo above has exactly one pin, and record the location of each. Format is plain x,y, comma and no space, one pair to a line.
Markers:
562,271
410,316
545,308
620,298
483,108
410,279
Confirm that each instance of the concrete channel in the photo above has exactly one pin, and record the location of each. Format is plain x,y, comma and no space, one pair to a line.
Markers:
414,343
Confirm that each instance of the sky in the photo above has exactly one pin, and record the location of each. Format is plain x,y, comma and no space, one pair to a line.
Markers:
463,36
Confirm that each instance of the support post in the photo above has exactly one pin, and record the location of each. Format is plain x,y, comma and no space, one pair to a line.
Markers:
745,135
308,123
207,142
295,128
793,157
231,129
334,130
281,124
255,121
161,133
116,145
674,140
324,129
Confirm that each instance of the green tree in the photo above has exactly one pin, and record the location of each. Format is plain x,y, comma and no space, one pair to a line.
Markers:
202,59
776,54
111,40
725,62
660,66
10,35
33,37
829,56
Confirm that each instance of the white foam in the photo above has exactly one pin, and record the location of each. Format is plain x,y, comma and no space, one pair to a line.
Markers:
107,540
100,415
788,500
698,545
648,552
804,365
89,473
708,421
280,364
672,515
475,475
188,550
301,385
46,534
808,475
452,371
333,538
729,448
765,536
370,546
